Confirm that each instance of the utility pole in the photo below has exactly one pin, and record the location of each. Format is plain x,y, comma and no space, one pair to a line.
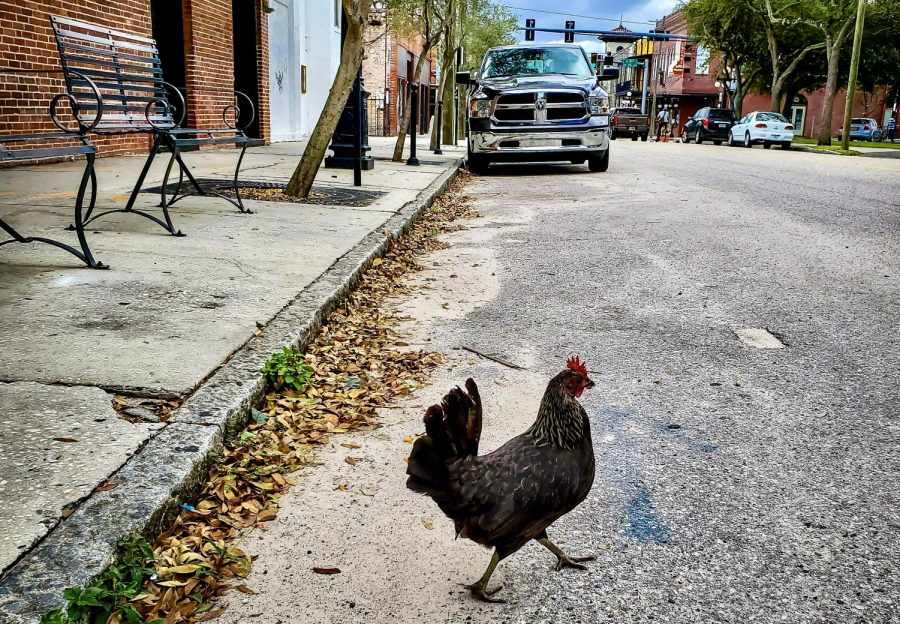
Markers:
854,69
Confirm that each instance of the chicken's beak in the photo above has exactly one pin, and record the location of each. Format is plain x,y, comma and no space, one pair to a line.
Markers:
589,384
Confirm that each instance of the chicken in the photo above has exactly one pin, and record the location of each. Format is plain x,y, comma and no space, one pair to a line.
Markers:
508,497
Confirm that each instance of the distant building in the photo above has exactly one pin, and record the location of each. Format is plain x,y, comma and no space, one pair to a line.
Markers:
686,77
388,68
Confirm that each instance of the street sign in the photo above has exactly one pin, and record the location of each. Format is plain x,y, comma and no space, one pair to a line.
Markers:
629,62
570,34
529,30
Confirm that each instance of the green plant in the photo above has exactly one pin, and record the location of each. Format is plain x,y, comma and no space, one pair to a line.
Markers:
287,369
111,592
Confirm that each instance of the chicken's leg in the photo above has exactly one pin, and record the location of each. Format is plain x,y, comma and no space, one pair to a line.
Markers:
479,588
564,560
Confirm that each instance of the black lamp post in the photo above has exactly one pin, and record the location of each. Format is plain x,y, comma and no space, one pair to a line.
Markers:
413,123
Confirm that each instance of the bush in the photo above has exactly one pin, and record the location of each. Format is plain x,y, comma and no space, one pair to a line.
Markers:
287,369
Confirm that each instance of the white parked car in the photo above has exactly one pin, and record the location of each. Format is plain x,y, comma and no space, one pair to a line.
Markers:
761,127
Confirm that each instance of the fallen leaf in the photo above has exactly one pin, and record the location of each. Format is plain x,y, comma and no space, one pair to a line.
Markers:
318,570
245,590
350,460
211,615
342,487
408,439
106,487
65,439
350,445
428,524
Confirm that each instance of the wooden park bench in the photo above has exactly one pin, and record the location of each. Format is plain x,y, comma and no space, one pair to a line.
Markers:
131,97
55,145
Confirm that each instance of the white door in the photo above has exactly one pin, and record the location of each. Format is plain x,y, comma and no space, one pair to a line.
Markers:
284,87
798,118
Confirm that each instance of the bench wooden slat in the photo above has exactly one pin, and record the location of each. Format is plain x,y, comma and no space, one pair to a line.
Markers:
112,53
151,64
120,79
112,43
102,29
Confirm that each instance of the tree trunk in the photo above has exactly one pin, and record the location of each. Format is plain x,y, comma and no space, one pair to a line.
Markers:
831,84
351,59
407,109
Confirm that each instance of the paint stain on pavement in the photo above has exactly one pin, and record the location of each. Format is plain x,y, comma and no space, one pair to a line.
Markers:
641,521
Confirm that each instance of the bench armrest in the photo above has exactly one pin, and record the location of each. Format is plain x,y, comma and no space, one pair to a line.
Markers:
235,108
73,101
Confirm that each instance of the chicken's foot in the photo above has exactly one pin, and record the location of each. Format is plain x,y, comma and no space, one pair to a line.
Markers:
479,588
564,560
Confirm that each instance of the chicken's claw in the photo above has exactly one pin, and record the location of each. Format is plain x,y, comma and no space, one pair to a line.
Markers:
573,562
482,593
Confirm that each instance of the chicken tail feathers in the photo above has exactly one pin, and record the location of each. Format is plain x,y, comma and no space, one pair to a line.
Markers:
452,430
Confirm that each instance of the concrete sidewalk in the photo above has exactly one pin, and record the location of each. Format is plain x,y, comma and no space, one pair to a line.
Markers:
172,318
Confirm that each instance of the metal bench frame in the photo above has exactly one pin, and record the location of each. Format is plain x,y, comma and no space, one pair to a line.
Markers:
38,146
132,98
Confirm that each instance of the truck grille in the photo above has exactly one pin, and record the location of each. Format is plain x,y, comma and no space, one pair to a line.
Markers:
558,106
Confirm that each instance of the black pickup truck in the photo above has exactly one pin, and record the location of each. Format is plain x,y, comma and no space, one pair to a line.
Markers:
537,102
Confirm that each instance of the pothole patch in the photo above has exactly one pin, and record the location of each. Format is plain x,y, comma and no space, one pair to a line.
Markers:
758,338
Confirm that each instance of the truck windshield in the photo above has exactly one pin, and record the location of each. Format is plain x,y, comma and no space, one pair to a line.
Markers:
535,62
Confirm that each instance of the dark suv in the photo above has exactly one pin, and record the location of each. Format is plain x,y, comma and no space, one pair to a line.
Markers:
708,124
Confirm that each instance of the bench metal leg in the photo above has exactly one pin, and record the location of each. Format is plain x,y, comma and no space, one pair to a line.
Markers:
237,201
129,207
85,254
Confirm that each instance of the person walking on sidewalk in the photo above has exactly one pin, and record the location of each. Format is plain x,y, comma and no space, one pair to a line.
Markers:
892,128
662,122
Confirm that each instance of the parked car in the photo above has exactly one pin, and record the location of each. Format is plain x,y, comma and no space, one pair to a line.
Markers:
708,124
762,128
863,129
537,102
629,122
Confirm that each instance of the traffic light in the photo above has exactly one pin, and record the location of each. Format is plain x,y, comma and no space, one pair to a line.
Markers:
570,34
529,30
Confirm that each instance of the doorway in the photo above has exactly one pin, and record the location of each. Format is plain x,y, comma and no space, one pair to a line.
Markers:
284,74
246,64
798,119
167,20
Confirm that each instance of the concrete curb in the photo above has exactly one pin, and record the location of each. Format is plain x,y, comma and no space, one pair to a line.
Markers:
173,464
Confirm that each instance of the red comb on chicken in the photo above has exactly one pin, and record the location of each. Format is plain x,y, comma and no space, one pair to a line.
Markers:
508,497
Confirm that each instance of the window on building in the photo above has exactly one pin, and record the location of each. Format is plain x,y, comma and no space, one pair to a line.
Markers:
337,13
702,60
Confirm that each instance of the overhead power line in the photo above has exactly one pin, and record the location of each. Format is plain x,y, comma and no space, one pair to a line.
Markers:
592,17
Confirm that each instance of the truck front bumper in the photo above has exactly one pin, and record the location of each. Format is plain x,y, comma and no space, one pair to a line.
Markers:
535,143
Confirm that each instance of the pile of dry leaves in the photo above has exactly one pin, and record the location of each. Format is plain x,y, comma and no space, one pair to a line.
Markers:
360,364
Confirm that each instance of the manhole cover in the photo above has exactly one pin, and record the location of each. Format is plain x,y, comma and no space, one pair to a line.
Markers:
758,338
263,191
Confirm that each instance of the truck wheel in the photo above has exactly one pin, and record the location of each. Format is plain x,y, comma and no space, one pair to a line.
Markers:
476,163
612,135
634,137
599,163
643,137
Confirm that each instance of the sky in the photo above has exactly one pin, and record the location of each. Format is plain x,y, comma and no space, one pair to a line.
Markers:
633,12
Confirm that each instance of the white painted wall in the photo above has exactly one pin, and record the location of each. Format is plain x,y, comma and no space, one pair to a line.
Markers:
301,32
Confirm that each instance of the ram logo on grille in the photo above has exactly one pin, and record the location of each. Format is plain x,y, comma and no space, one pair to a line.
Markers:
540,104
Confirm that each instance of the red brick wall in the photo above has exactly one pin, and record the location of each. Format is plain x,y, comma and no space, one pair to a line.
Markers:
209,60
262,64
26,42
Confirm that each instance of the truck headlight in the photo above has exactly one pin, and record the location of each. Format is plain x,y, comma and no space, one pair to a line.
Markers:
598,105
479,108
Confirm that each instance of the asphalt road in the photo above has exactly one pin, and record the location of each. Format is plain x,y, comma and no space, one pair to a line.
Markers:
734,483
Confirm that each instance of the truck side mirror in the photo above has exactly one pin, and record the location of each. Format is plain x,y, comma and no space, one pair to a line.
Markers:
464,78
608,73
